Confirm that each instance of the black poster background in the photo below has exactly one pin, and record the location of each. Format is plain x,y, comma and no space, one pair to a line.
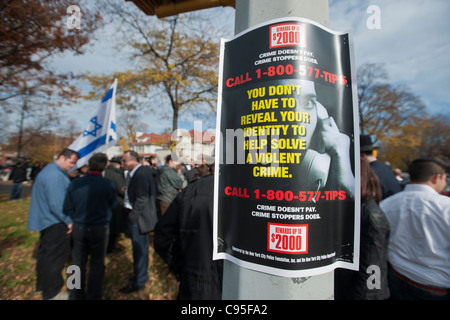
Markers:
242,237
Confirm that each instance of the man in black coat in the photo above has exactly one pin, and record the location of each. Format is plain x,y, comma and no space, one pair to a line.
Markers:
118,222
184,240
389,184
18,175
140,205
89,201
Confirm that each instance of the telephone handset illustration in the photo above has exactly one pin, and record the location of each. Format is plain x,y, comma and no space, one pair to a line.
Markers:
315,166
314,170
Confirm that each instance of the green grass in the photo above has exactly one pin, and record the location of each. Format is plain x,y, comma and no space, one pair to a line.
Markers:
18,247
13,223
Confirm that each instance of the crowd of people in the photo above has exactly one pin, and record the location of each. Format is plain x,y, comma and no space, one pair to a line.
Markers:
82,211
404,227
22,172
404,232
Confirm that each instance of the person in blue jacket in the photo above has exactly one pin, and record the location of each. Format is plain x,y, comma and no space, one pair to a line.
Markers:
46,216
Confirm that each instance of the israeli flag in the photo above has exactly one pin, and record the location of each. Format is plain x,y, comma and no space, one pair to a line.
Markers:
100,133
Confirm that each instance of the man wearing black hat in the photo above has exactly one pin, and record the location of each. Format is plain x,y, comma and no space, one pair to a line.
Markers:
389,185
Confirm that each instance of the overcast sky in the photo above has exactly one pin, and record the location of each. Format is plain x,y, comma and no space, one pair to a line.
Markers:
413,42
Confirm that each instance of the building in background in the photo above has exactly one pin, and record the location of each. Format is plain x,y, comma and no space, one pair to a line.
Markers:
188,145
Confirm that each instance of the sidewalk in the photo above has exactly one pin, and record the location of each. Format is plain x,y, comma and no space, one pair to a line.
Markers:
6,187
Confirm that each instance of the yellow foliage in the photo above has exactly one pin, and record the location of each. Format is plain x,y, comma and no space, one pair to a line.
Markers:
169,64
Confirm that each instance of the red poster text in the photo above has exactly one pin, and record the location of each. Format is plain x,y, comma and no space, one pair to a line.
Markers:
285,238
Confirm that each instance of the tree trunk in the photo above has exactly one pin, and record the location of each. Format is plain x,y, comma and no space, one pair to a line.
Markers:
175,119
21,120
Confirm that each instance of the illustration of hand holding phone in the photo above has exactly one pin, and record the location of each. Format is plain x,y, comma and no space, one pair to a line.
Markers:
326,161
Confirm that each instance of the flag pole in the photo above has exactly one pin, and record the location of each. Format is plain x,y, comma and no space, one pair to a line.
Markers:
113,105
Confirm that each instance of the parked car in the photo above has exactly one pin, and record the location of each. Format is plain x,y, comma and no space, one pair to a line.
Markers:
5,171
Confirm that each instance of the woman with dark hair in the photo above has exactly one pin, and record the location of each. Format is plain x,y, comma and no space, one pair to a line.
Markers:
370,282
370,184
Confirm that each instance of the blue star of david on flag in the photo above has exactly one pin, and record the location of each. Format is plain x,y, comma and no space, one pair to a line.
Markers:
100,132
93,132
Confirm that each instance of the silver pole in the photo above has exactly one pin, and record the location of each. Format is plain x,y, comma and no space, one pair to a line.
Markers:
244,284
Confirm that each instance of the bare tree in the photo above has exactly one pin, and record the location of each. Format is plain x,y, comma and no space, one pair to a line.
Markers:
130,124
384,107
36,102
31,33
175,63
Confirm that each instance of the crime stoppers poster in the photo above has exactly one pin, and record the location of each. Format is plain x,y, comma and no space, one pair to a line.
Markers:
287,160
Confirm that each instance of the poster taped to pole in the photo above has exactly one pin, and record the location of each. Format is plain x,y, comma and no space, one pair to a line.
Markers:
287,157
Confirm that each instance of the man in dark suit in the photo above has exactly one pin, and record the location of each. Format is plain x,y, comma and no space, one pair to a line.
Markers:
140,204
